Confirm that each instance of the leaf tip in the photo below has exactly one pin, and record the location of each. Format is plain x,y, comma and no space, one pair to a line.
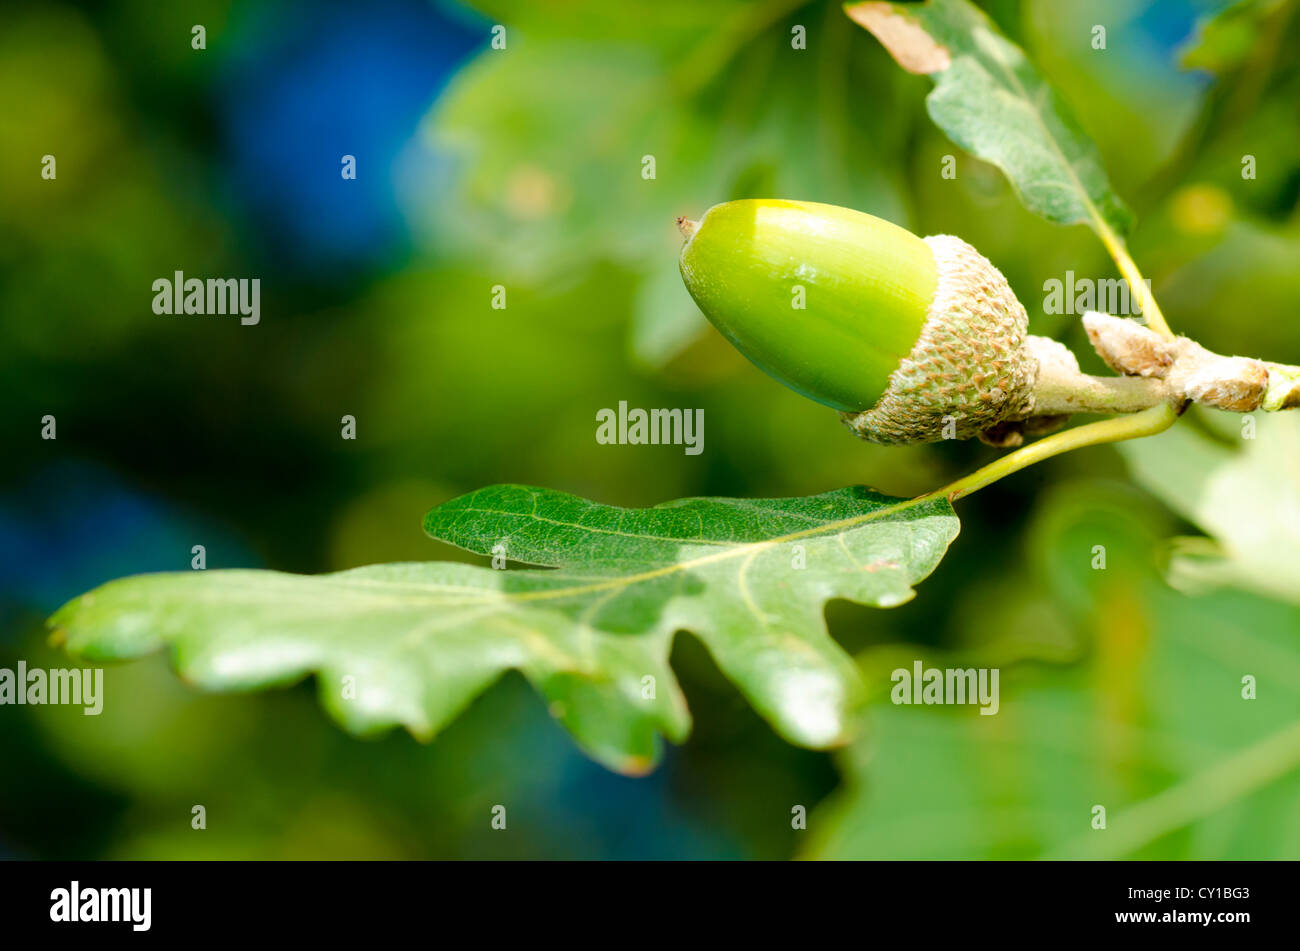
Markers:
635,766
906,40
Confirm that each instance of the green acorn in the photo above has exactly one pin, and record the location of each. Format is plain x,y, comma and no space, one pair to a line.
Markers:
911,339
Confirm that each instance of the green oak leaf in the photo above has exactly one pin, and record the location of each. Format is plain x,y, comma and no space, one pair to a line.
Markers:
1246,498
991,101
413,644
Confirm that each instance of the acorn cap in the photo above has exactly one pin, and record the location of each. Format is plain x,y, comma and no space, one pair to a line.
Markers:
912,340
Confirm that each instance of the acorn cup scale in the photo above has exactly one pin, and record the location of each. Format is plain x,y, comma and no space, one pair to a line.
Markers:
911,339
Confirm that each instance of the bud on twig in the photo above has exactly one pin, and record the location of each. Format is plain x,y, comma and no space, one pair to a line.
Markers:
1191,372
1127,346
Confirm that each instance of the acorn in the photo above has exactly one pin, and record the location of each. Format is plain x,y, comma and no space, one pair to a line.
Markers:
910,339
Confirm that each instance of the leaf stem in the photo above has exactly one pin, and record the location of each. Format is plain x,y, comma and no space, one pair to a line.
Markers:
1155,319
1146,423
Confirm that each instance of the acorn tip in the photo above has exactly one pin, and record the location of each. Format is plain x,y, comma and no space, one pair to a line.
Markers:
687,227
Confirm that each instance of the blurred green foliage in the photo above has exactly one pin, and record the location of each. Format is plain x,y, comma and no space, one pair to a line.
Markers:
1148,722
1116,685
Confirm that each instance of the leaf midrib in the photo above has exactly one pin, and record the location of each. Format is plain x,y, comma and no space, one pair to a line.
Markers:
829,528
